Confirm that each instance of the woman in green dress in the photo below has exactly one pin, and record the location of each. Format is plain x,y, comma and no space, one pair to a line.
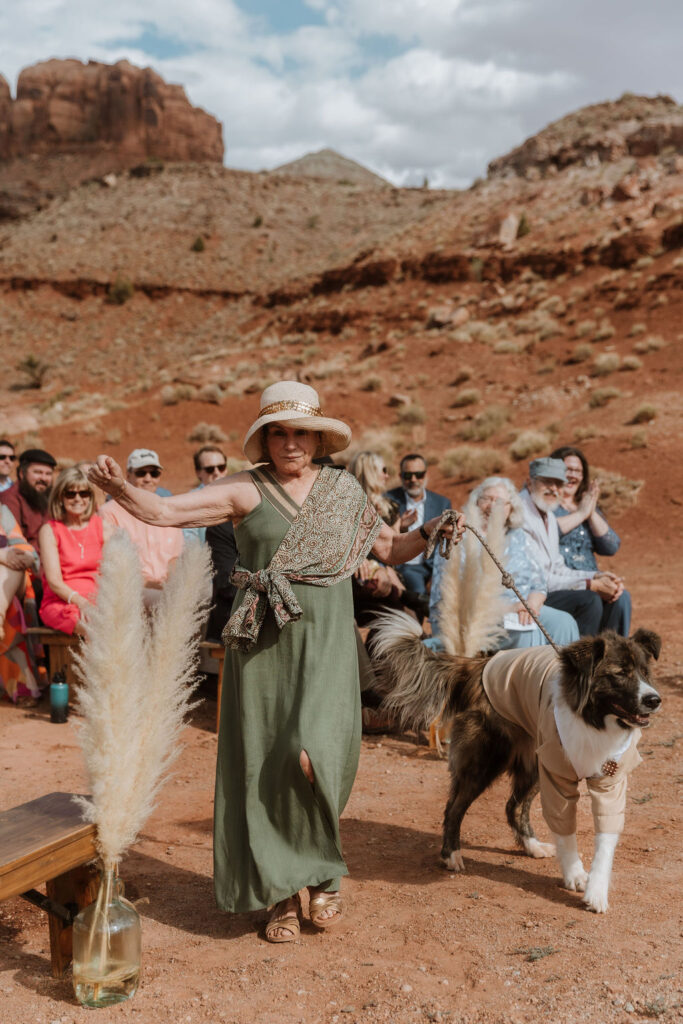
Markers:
290,717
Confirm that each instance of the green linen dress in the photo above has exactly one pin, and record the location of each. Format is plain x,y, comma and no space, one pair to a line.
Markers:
297,689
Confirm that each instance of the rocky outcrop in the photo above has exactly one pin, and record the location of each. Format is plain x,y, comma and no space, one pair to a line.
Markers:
64,106
634,126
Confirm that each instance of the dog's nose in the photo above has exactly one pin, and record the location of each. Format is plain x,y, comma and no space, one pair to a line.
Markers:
652,701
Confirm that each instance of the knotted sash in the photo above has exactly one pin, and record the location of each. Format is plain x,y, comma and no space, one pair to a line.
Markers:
328,538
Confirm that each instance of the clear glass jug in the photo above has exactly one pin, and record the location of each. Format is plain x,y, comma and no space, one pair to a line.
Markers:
107,946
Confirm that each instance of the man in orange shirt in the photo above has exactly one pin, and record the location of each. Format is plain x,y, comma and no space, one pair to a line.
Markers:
158,546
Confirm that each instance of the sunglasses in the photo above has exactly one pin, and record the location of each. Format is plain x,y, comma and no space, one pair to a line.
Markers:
214,469
9,458
420,474
147,471
70,495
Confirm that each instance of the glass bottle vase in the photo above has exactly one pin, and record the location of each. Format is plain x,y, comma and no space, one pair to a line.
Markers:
107,946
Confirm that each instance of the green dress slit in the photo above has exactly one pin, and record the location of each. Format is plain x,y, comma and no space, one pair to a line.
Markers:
297,689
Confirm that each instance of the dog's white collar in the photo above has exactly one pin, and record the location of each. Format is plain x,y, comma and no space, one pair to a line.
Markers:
586,757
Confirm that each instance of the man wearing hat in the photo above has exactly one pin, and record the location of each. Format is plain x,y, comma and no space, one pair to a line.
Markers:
28,498
158,546
588,596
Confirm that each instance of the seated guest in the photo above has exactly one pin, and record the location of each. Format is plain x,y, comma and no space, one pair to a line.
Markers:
70,551
417,506
7,459
210,463
28,498
371,473
497,492
590,596
158,546
18,679
584,531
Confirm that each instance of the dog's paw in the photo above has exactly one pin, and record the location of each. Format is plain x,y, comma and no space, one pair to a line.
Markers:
595,896
576,877
535,848
454,861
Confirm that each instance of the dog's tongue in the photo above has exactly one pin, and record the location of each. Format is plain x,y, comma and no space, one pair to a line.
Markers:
642,720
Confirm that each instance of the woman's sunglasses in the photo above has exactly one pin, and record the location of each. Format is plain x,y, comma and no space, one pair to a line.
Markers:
214,469
70,495
147,471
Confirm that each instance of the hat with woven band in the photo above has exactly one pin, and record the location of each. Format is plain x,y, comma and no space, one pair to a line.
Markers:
297,405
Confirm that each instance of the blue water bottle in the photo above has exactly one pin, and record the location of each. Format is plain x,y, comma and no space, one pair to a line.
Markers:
59,698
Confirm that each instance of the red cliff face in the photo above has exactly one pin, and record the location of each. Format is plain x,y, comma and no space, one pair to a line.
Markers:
64,106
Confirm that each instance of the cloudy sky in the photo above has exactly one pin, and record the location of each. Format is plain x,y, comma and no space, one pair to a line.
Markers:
410,88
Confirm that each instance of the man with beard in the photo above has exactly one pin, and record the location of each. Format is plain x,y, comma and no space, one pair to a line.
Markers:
28,498
417,506
589,596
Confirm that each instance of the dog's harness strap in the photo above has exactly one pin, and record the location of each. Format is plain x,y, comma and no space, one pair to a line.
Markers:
445,545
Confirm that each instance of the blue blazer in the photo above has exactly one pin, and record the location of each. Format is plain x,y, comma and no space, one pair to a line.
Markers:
435,504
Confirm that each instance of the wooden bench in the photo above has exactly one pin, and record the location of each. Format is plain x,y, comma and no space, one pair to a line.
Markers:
46,842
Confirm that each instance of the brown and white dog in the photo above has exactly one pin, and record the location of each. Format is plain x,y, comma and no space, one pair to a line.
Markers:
549,720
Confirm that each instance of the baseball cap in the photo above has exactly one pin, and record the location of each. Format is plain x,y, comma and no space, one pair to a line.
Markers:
145,457
552,469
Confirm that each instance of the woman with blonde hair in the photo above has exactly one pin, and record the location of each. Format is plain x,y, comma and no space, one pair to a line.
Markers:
371,473
71,544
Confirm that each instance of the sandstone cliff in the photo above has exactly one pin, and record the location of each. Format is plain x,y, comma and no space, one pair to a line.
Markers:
64,106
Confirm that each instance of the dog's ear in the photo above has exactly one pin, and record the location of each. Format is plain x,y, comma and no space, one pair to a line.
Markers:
649,641
580,659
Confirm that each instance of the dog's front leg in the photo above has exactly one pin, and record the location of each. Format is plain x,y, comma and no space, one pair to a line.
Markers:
597,888
574,874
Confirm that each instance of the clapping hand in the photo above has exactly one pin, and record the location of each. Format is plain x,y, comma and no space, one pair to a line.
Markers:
589,501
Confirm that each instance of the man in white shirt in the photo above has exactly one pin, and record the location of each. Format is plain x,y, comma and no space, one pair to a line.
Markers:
589,596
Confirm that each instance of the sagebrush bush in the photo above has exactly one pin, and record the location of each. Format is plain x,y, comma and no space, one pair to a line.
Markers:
644,414
585,327
639,439
584,433
468,397
410,415
637,329
198,245
605,364
604,332
470,463
464,374
35,370
120,291
372,384
506,348
485,424
631,363
210,393
601,396
528,444
581,352
650,344
205,433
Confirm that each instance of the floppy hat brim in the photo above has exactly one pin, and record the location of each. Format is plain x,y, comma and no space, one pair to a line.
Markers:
336,433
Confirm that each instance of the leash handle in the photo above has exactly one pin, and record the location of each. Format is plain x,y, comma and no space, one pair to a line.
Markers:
445,545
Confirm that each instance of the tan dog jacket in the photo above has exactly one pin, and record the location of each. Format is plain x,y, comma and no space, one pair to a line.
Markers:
520,685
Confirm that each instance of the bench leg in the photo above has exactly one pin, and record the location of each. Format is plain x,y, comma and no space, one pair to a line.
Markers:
77,886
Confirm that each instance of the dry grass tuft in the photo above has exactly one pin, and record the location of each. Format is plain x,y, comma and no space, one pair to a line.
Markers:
644,414
631,363
470,396
205,433
617,493
650,344
605,364
529,443
467,462
601,396
485,424
411,415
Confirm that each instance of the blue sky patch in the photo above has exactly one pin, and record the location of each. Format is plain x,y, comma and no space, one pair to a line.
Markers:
154,43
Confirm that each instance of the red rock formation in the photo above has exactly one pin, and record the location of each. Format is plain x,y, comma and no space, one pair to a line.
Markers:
64,106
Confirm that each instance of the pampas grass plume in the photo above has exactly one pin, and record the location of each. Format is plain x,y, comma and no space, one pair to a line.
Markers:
136,681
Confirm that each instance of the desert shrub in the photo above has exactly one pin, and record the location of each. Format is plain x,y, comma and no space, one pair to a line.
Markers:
205,433
410,415
650,344
584,433
34,369
505,348
644,414
548,328
527,444
604,332
210,393
470,396
581,352
198,245
601,396
585,327
485,424
312,221
524,227
235,465
257,221
617,493
553,304
470,463
631,363
547,366
476,268
112,436
637,329
270,341
639,439
120,291
372,384
643,262
604,364
168,395
464,374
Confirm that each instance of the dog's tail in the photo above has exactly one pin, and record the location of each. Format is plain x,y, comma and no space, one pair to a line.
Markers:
417,683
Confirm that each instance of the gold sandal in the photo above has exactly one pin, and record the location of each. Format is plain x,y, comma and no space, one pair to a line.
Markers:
326,901
288,920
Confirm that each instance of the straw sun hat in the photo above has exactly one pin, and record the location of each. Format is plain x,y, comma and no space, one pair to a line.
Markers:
297,405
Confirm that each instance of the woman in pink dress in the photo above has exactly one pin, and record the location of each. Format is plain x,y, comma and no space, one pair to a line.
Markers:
70,551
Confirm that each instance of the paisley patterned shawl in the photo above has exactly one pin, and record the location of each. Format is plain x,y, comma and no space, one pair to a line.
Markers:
329,536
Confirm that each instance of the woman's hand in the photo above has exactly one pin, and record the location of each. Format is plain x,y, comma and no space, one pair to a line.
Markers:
449,531
535,600
589,501
106,474
17,558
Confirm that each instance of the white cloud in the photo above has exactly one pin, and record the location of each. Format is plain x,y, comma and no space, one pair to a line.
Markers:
464,80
